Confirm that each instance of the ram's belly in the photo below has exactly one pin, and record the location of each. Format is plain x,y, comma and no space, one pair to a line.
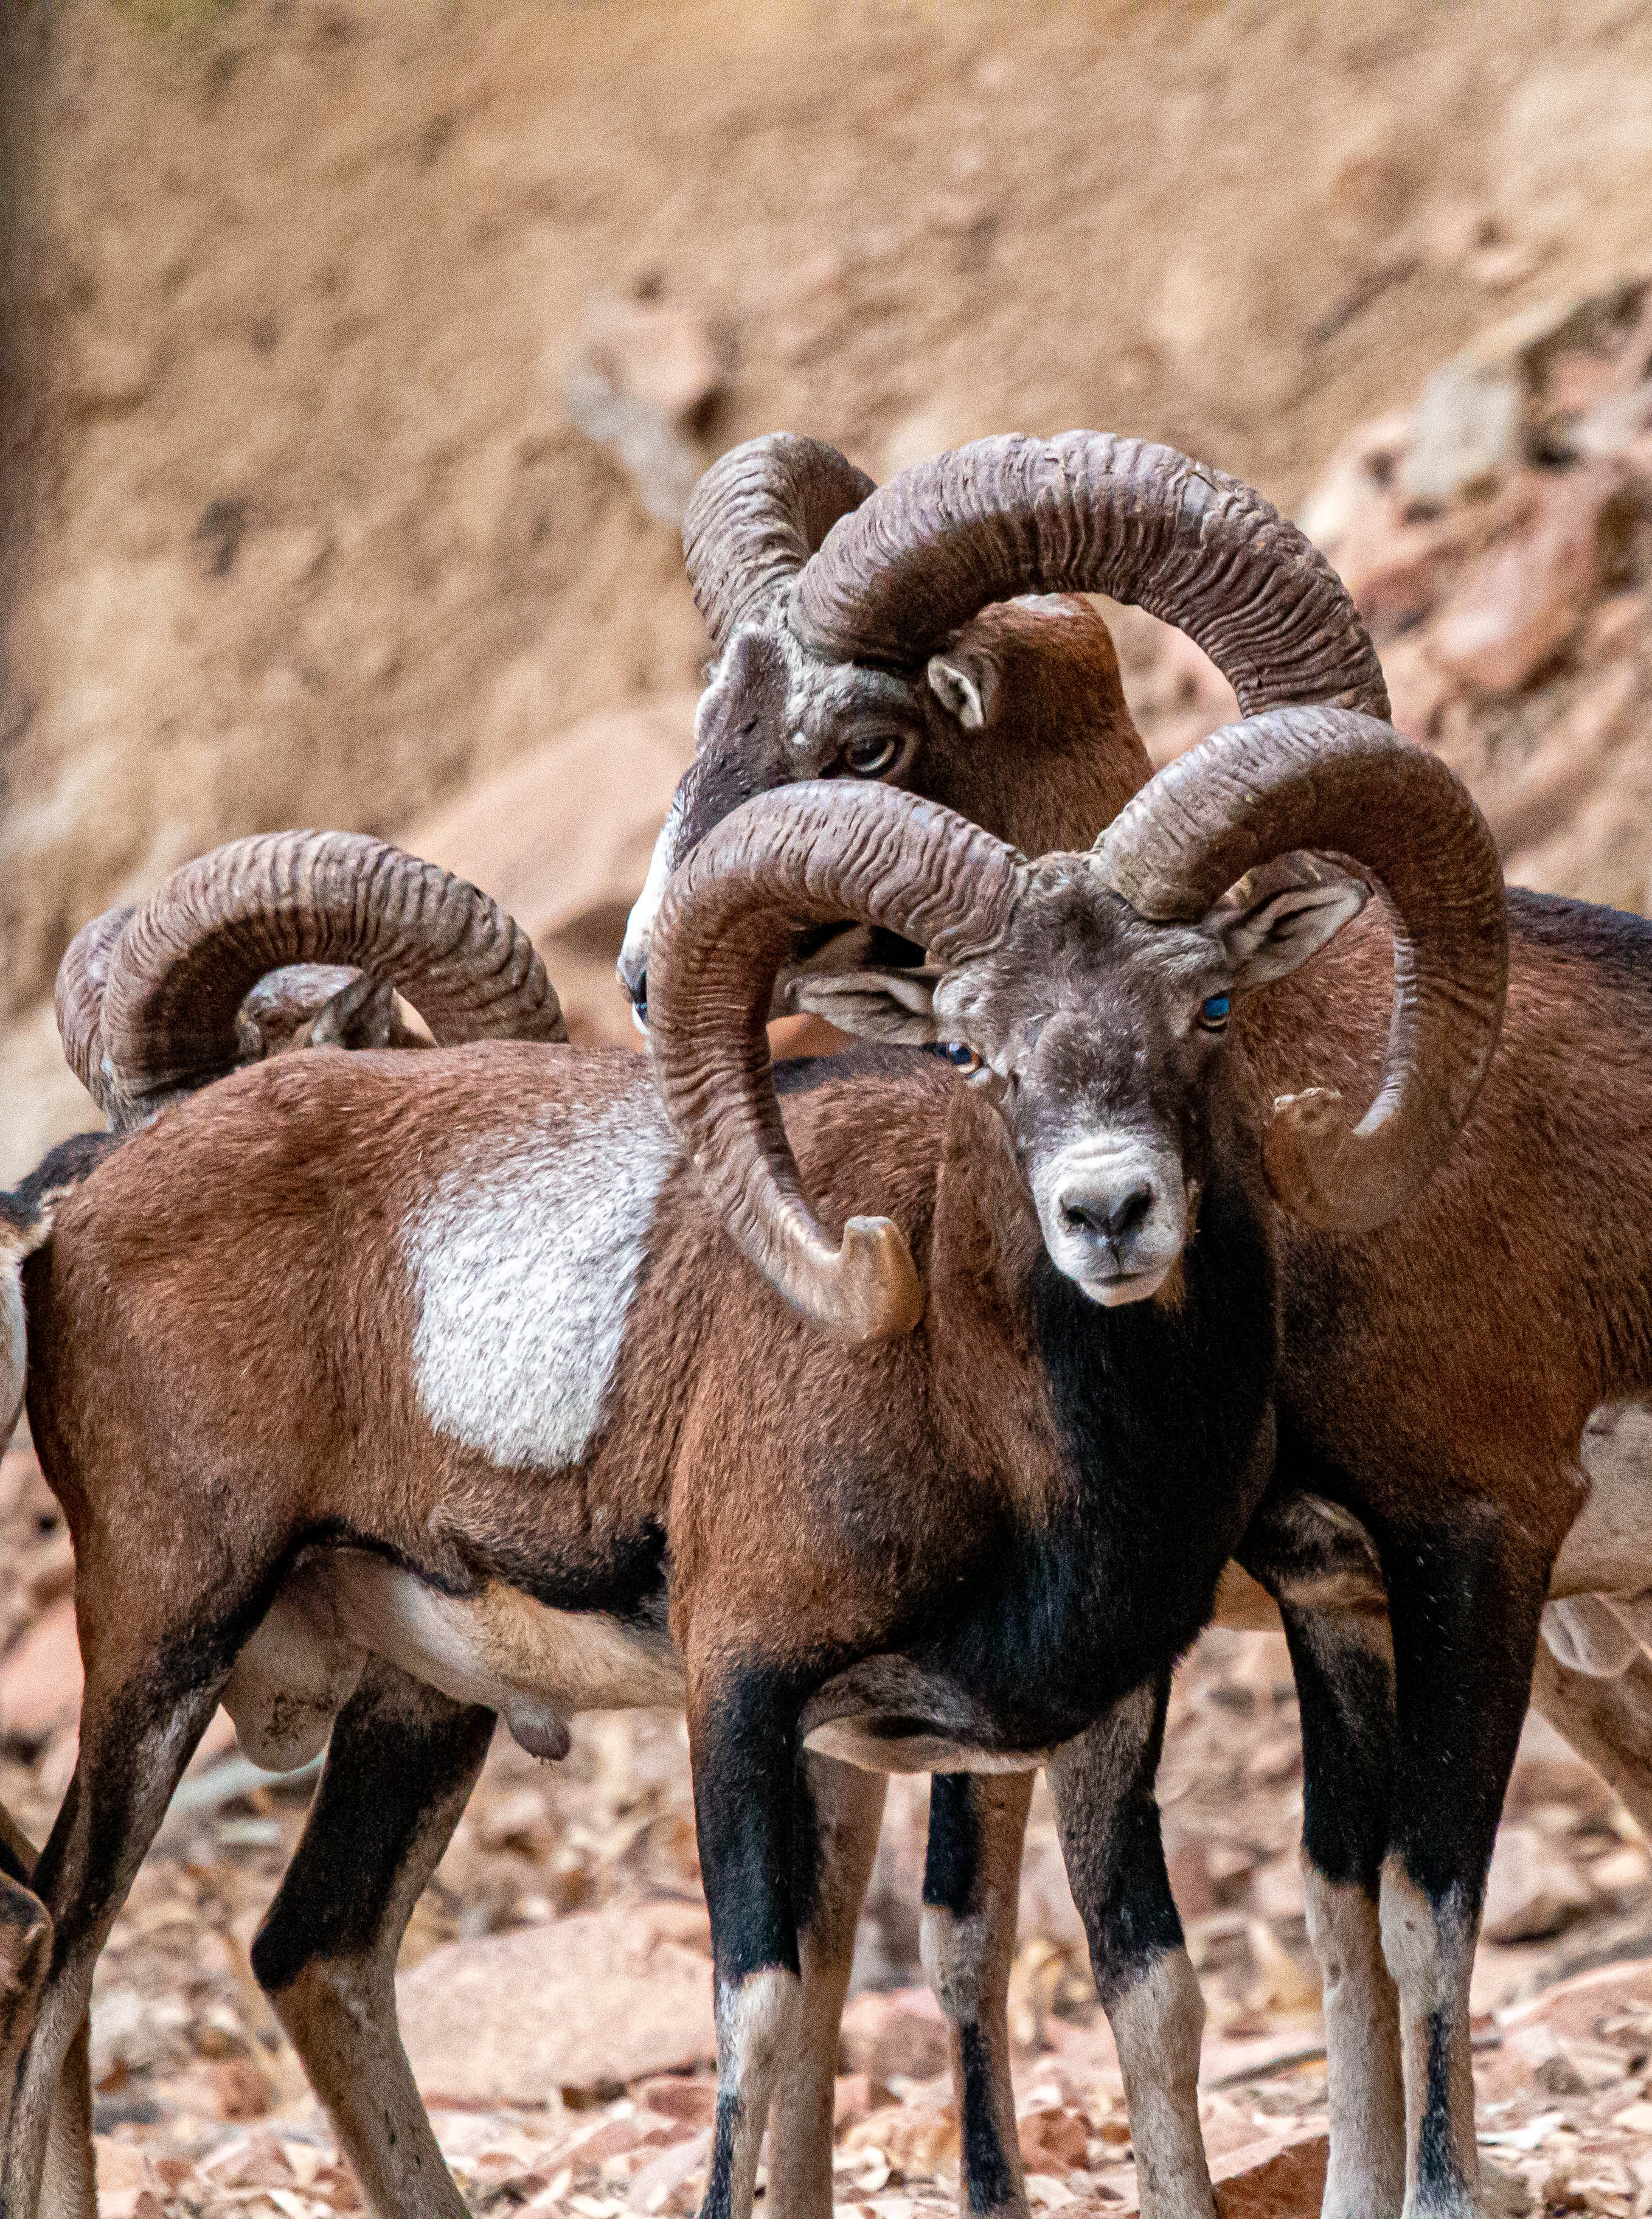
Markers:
887,1714
1609,1548
532,1665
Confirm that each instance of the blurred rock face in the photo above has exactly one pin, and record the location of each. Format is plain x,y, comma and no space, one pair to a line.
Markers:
353,357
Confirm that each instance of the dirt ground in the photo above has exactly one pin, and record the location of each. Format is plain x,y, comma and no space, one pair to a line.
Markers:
307,515
201,2106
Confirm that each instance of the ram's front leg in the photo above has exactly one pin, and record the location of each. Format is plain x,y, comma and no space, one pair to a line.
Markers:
742,1739
1465,1604
1344,1664
971,1886
1103,1784
839,1812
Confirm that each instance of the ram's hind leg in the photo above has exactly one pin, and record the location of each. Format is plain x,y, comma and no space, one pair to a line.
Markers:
135,1740
1103,1785
68,2192
840,1810
399,1769
972,1887
1607,1722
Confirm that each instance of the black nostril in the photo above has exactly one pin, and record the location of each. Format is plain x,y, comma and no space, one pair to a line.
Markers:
1117,1223
1127,1214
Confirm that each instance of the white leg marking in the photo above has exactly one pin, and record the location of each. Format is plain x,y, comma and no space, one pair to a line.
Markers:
757,2028
1157,2026
524,1270
1366,2176
1431,1955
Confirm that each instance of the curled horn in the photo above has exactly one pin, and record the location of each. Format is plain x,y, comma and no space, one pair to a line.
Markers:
756,517
83,982
181,965
1329,780
1089,513
808,853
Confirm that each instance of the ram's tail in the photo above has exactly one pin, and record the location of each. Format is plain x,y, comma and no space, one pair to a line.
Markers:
26,1216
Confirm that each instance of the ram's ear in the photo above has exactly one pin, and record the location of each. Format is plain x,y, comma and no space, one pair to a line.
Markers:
896,1007
964,680
1275,934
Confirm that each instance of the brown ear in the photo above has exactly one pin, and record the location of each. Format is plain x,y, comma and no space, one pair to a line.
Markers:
964,680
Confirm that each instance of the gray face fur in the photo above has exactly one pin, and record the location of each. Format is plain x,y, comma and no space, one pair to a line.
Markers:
772,715
1104,1043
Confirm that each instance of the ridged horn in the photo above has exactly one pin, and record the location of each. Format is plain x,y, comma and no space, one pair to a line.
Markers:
83,982
757,516
1088,512
807,854
1330,780
184,962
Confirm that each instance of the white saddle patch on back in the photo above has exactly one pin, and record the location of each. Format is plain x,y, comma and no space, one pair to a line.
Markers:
524,1272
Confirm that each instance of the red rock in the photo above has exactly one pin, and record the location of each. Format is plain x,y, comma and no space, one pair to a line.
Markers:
1418,688
675,2096
688,1924
1190,1882
240,2090
1523,600
595,2000
651,2190
900,2032
661,353
1556,778
856,2096
1393,568
1279,2184
1054,2140
41,1681
562,836
1575,2010
1532,1890
564,833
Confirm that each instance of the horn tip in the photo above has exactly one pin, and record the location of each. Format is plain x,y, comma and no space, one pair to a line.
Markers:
881,1296
1305,1159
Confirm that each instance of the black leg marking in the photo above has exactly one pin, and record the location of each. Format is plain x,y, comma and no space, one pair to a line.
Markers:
1464,1603
1108,1823
971,1886
400,1766
743,1741
839,1811
1344,1678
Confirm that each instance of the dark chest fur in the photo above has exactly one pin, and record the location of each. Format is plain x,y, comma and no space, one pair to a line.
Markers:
1165,1424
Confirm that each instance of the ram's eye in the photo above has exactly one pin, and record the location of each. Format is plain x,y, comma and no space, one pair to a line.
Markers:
961,1057
1213,1011
871,757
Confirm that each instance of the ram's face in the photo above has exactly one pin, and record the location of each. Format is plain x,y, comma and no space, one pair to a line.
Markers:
1104,1041
771,716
